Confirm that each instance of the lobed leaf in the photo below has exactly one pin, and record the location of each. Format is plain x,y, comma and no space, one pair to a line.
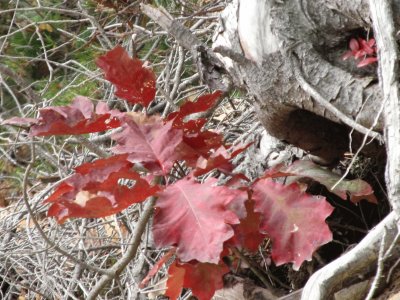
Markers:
247,232
149,141
202,278
202,104
220,160
133,81
195,218
97,190
295,221
78,118
157,266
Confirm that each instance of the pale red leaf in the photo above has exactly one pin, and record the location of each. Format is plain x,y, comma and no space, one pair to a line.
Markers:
194,217
133,81
354,46
366,47
360,53
294,221
202,278
21,122
357,189
97,190
78,118
367,61
149,141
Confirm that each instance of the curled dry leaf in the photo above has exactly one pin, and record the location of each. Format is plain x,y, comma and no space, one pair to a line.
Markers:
98,189
357,189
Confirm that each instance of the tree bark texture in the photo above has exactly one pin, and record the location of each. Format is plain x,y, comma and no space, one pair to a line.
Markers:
270,35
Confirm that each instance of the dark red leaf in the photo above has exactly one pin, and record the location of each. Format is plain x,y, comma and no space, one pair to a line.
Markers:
202,278
202,143
96,190
134,82
202,104
176,276
295,221
220,160
247,233
194,217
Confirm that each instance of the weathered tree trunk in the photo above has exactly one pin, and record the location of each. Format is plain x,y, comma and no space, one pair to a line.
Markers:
288,55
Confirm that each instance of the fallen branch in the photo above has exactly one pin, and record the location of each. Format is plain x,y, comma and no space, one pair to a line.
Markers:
327,280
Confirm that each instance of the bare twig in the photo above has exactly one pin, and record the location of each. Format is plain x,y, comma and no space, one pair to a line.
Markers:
130,253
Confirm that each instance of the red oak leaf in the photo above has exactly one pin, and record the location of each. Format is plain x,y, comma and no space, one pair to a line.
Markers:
149,141
134,82
247,233
97,190
294,221
220,160
78,118
194,217
202,104
202,143
176,276
157,266
202,278
357,189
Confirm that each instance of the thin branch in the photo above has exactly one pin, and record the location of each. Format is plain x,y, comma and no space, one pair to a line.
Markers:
326,281
39,228
130,253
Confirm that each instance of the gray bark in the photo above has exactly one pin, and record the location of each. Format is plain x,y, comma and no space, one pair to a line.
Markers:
267,33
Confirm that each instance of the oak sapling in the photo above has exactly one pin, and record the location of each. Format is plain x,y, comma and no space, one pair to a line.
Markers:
203,221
